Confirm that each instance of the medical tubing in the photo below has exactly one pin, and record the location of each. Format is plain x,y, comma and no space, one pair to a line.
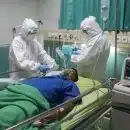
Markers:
52,110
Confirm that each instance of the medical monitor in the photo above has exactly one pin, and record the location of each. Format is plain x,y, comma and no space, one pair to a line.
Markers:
125,77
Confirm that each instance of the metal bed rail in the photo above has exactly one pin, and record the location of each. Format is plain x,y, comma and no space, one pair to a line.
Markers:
75,113
94,116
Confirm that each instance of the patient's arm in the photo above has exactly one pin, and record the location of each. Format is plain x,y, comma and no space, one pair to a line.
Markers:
63,111
58,114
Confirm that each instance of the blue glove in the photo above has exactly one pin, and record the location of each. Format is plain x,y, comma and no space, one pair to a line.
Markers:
43,68
75,51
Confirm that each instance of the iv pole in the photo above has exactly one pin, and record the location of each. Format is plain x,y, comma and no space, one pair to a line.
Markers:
115,65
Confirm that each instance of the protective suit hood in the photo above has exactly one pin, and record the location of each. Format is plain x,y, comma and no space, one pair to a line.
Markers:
26,54
91,27
28,26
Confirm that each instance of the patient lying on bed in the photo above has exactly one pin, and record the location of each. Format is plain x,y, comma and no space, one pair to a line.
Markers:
38,93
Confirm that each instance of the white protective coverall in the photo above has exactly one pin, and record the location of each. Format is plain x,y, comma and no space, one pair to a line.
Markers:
26,53
93,56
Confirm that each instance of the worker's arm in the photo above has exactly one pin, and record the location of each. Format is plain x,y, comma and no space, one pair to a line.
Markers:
45,58
21,59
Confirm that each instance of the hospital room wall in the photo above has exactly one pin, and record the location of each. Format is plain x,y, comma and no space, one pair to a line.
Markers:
12,13
49,13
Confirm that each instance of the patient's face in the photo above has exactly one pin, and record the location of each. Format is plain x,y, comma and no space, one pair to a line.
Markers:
71,75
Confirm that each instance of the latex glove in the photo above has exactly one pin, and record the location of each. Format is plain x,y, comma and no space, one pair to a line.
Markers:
76,51
43,68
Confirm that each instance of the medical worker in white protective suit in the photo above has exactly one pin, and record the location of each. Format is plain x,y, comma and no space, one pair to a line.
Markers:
26,54
93,56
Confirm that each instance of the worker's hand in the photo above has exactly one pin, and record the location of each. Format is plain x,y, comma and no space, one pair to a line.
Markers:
43,68
76,51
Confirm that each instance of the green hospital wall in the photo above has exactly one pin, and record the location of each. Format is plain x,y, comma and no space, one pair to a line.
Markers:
4,66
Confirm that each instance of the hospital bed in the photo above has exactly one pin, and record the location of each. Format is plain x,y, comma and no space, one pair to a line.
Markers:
95,103
96,98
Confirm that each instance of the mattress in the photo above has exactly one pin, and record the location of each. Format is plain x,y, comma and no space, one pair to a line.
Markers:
100,94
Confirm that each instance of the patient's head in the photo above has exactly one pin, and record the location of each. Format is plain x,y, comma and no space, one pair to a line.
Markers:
73,75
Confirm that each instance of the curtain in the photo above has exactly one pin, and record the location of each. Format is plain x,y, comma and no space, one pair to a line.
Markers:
72,12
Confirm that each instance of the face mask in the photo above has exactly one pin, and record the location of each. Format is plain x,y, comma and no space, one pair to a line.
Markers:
84,31
31,37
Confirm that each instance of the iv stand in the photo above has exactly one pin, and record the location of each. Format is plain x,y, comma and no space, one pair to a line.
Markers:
115,65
